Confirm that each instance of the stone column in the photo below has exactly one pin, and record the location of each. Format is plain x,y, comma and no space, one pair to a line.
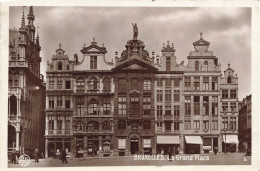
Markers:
182,145
9,107
17,140
46,148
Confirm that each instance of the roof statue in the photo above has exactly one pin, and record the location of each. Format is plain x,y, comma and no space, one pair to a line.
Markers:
135,31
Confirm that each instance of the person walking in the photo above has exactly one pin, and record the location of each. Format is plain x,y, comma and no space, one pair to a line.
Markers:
36,156
170,154
215,150
63,156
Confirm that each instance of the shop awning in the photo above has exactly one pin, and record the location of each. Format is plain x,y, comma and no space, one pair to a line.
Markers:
193,140
168,140
147,143
230,139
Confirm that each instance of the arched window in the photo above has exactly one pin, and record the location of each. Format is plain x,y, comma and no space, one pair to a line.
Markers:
80,126
121,124
147,124
229,80
106,125
93,107
93,84
68,67
59,65
197,65
80,84
92,125
106,84
205,65
13,105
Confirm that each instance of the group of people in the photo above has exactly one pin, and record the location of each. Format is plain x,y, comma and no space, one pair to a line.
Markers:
172,152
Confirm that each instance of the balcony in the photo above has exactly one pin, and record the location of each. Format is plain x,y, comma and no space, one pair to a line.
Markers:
58,132
134,116
159,130
168,117
18,64
17,91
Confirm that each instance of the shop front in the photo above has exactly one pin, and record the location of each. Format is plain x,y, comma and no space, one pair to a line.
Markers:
166,144
147,147
193,144
230,143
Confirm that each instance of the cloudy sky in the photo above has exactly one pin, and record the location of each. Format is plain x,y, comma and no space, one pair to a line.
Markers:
228,30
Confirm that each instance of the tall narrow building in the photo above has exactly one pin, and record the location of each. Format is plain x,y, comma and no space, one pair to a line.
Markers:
26,93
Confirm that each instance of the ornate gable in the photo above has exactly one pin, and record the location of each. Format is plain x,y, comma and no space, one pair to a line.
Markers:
93,48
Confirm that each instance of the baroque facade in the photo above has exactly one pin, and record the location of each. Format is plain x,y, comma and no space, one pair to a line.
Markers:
140,104
26,90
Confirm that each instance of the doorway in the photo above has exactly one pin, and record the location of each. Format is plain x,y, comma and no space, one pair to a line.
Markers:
134,146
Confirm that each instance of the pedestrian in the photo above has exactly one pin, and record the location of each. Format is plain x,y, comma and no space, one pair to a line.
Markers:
63,156
36,156
13,157
170,154
215,150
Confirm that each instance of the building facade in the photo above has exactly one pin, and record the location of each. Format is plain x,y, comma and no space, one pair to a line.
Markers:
26,90
245,124
142,104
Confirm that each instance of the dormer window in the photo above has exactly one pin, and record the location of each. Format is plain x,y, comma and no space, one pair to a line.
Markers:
168,64
93,62
229,80
205,65
59,65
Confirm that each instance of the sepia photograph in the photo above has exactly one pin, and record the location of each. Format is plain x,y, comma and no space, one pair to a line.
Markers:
129,85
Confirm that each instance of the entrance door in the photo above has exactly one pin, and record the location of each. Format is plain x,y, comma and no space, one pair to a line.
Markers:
134,146
215,142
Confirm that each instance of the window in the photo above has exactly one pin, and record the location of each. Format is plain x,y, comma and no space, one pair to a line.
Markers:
121,124
224,106
224,93
59,84
233,94
159,82
205,125
168,126
59,101
106,108
80,126
134,84
106,84
80,106
232,123
214,83
59,122
187,83
176,126
205,83
214,105
51,84
159,95
67,123
93,62
176,95
196,83
197,65
121,105
176,83
168,110
147,84
159,124
93,107
205,105
196,105
67,84
59,66
168,95
93,84
147,124
147,105
205,66
168,63
187,105
159,111
67,104
233,106
187,125
13,105
51,102
214,125
106,125
122,85
225,123
93,125
168,82
51,122
80,84
176,111
229,80
196,125
134,104
68,67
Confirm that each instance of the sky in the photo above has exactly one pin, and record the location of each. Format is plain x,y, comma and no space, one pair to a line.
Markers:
227,29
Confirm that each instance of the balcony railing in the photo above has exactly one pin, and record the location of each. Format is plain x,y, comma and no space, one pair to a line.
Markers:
58,132
159,130
18,64
134,116
15,90
168,117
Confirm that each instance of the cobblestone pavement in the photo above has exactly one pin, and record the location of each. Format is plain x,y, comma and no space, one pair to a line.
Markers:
201,159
